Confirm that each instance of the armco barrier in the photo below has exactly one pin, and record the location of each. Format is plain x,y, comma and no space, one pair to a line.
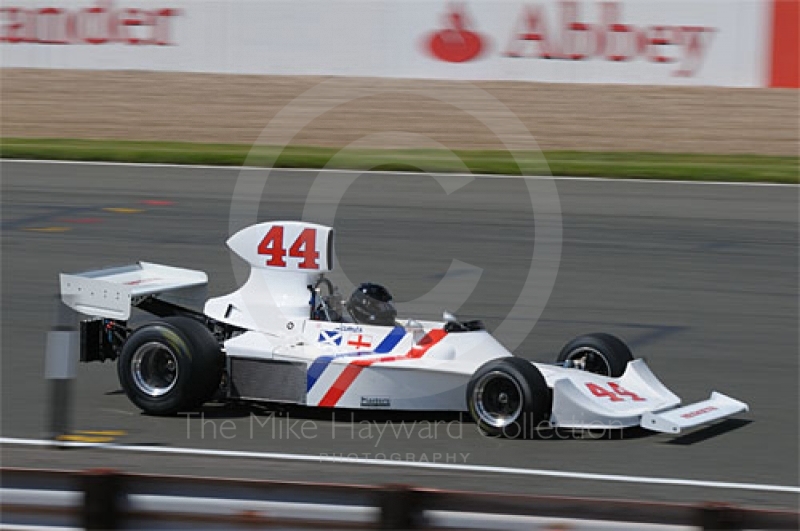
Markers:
746,43
105,499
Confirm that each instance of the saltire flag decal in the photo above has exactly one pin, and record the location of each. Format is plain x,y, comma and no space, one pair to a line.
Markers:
351,372
330,337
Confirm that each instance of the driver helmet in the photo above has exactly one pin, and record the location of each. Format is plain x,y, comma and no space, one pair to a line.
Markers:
371,304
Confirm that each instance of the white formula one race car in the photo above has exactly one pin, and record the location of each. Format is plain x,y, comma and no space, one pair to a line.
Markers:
287,336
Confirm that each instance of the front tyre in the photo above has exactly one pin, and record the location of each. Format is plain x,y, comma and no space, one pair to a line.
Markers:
508,397
599,353
169,366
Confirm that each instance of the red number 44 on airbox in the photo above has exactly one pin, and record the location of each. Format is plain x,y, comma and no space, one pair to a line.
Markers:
287,335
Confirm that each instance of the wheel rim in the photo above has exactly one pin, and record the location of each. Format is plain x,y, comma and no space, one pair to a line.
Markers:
498,399
155,369
590,359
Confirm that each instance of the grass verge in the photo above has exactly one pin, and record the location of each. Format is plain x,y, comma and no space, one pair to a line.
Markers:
737,168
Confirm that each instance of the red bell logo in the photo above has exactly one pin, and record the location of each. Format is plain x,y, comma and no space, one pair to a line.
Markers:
456,43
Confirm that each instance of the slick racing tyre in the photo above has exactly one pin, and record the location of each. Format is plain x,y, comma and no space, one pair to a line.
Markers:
598,353
172,365
508,397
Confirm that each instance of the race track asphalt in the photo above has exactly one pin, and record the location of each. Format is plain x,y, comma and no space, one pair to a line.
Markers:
700,279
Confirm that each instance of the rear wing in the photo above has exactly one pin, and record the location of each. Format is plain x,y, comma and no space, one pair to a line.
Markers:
109,293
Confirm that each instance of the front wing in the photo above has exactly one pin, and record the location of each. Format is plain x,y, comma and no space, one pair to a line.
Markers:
637,398
674,420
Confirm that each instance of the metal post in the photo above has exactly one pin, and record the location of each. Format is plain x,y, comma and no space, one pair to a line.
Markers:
401,508
103,499
61,366
718,516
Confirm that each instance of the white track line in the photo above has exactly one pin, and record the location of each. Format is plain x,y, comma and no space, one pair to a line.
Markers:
405,173
485,469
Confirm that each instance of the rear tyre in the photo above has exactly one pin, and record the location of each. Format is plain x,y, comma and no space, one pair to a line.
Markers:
599,353
169,366
508,397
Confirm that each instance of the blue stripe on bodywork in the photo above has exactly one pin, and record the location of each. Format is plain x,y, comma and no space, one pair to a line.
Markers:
391,341
315,371
320,364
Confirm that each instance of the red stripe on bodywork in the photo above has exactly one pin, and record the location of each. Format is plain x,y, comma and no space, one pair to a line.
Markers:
349,374
341,385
